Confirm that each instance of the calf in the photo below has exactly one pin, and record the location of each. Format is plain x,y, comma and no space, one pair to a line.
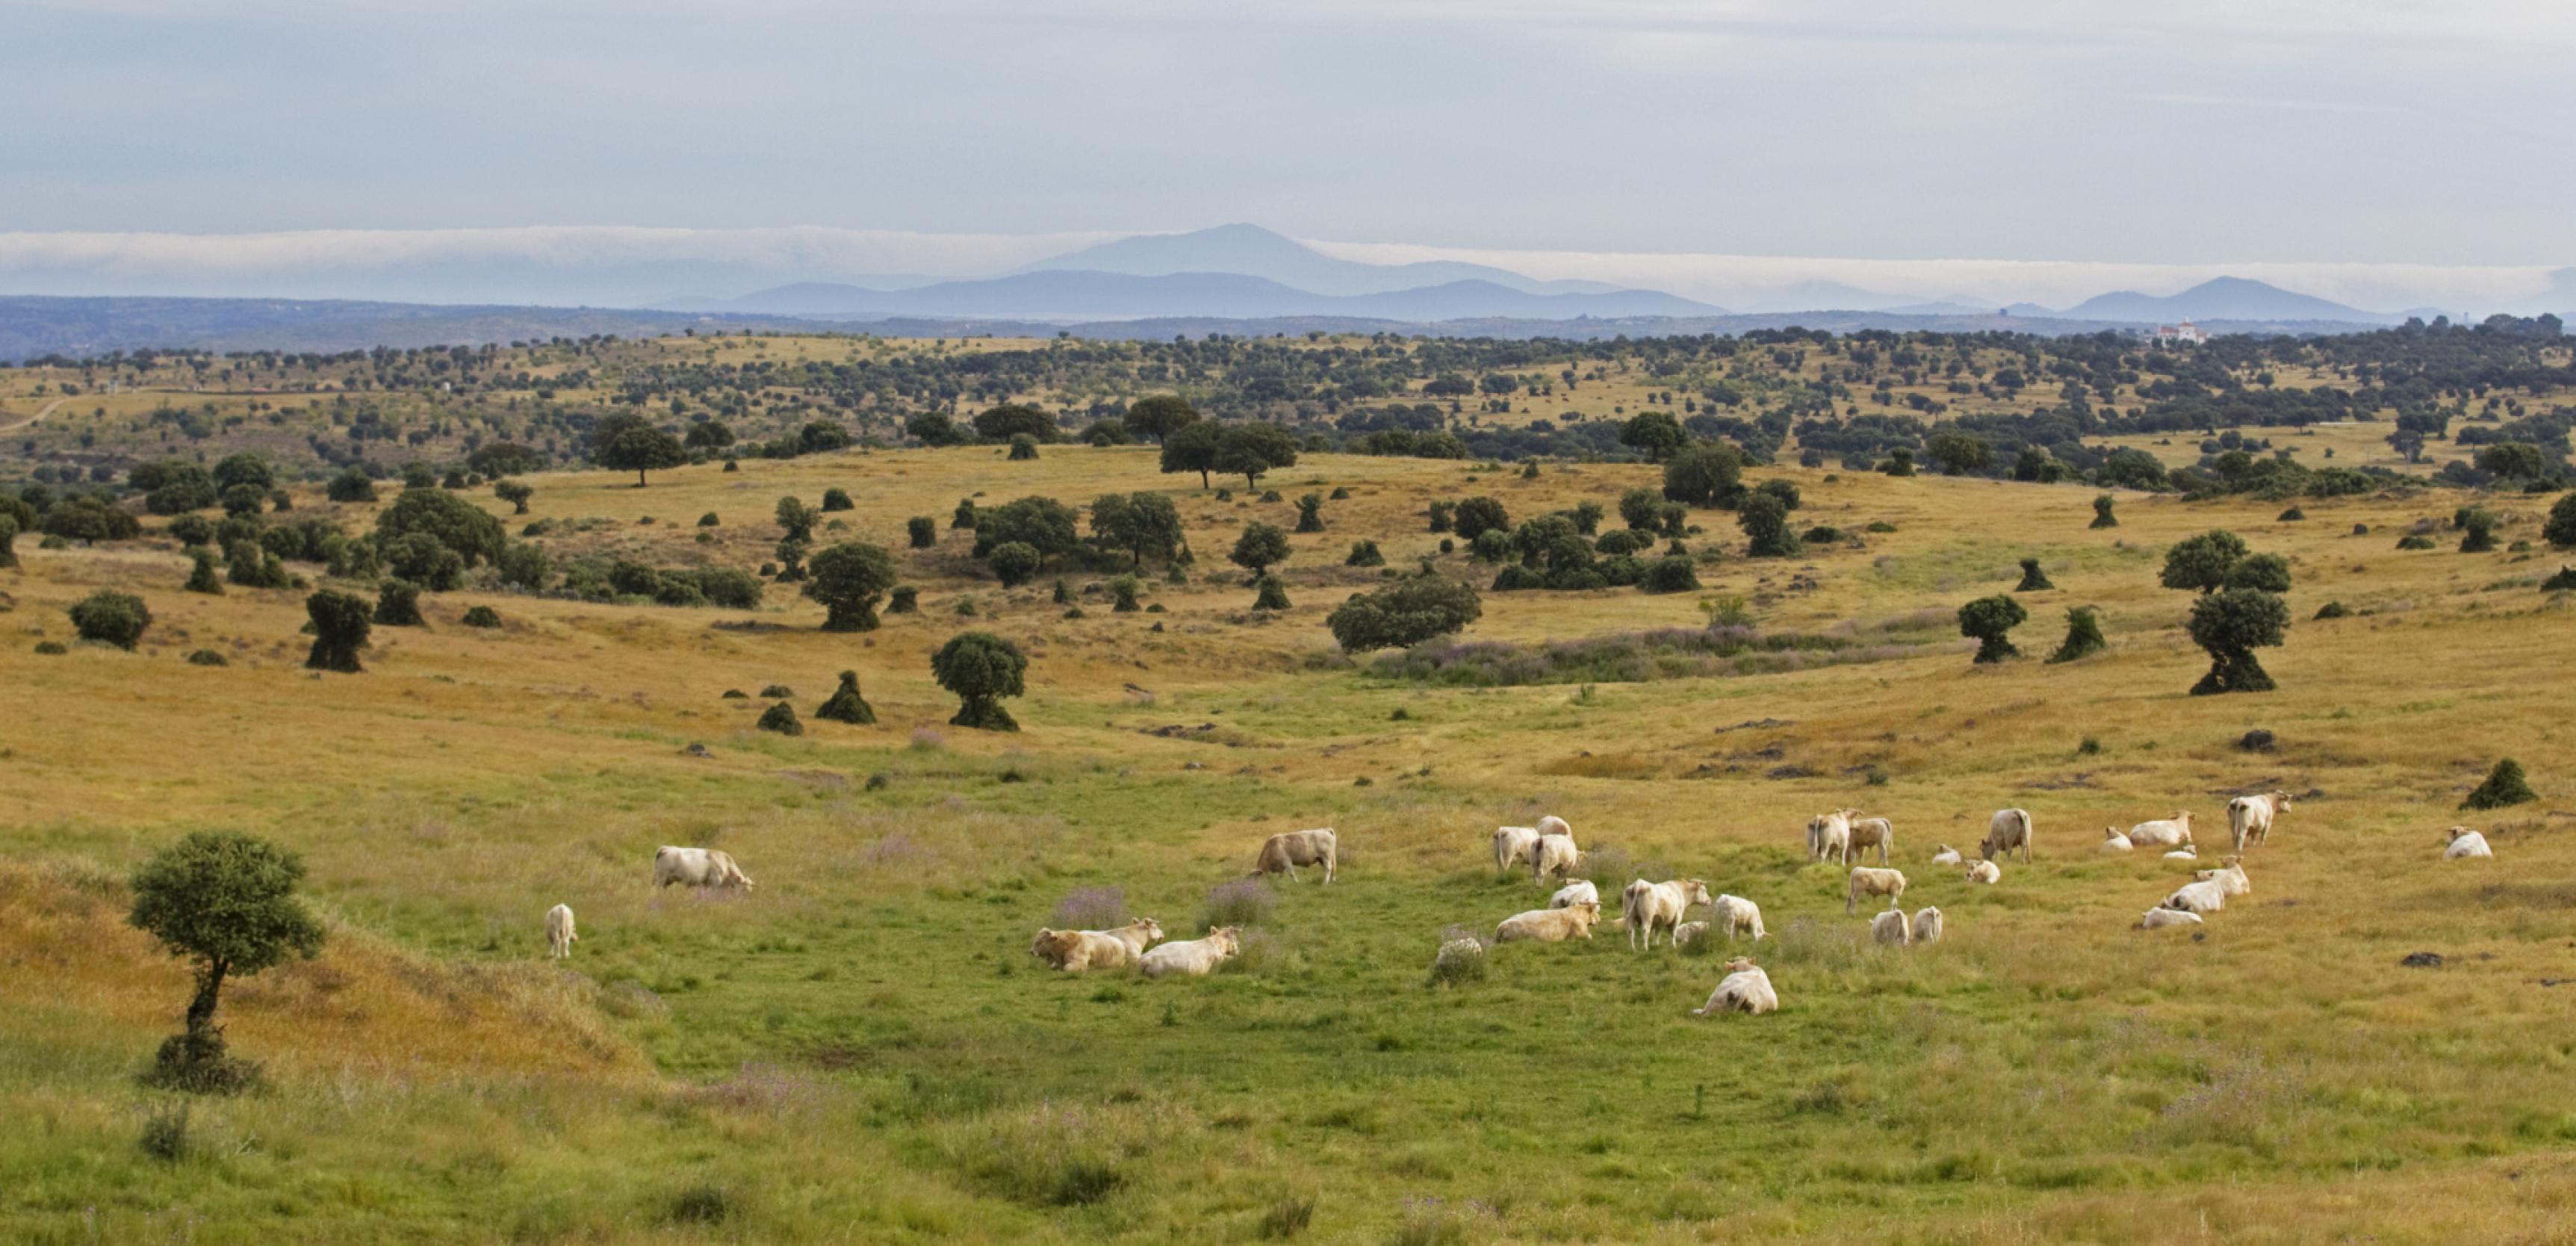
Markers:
1195,958
559,932
1580,891
2464,843
1869,882
1985,872
1876,833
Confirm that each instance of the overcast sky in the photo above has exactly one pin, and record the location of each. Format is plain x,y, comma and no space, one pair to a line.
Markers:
2427,132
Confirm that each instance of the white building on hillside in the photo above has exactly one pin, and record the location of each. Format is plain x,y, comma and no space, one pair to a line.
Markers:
2182,334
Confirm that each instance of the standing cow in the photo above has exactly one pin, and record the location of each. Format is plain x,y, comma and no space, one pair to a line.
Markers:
2250,818
2007,830
1287,850
559,932
697,867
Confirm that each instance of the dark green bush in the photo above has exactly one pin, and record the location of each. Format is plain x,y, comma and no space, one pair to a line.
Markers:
482,616
781,718
846,705
398,604
111,618
1404,613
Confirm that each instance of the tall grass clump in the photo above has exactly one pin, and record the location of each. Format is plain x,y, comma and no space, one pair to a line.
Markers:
1058,1155
165,1133
1288,1217
1461,959
1092,908
1239,902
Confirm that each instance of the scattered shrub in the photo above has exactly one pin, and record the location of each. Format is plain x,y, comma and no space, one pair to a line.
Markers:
846,705
2083,636
398,604
51,648
2102,516
1091,908
905,599
2332,610
1272,594
111,618
1310,513
2505,785
201,572
1989,620
922,530
340,623
2292,515
484,617
709,520
2230,625
206,657
781,718
1364,554
837,499
1239,902
2032,578
2561,582
165,1133
1461,959
2414,541
980,669
1670,574
1122,594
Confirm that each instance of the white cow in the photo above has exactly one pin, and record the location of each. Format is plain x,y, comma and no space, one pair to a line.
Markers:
1829,837
1289,849
2007,830
1928,925
1074,951
1194,958
1549,925
1985,872
2163,832
1689,933
2230,877
697,867
2159,918
1554,825
1512,845
1745,989
1553,854
2465,843
1867,833
559,932
2114,841
2250,818
1891,927
1736,915
1947,856
1869,882
2188,852
1649,907
1580,891
2201,897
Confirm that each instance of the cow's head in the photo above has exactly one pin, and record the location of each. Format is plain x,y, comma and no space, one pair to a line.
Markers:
1695,892
1153,929
1227,939
1739,964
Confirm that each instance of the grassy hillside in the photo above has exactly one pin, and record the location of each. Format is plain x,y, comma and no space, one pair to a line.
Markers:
862,1050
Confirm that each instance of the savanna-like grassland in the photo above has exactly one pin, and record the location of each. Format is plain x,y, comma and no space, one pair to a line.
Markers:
862,1049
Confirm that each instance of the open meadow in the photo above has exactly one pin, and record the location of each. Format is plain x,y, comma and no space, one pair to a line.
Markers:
862,1048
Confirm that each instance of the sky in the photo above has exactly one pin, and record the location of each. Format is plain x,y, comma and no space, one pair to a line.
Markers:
958,137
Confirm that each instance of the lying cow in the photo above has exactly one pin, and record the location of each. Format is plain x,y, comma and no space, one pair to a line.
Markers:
2160,918
2230,877
2465,843
1985,872
1745,989
697,867
1193,958
2250,818
1869,882
2163,832
2007,830
1549,925
2114,841
2200,897
1075,951
1947,856
559,932
1649,907
1287,850
1580,891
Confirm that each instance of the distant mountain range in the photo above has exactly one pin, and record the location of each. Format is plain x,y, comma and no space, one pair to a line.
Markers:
2220,298
1257,252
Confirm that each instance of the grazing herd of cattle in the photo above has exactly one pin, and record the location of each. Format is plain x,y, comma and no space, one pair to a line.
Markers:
1646,908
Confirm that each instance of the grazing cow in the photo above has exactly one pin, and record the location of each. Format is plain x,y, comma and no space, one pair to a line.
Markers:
697,867
1512,845
1891,927
1829,837
1549,925
2007,830
1737,915
2114,841
2230,877
1927,925
2159,918
2465,843
1649,907
2202,897
1947,856
1869,882
1074,951
2250,818
1580,891
1745,989
2163,832
1867,833
1553,854
1194,958
1985,872
1289,849
559,932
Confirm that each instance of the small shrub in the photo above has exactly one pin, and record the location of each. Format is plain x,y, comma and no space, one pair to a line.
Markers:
206,657
197,1062
2561,582
201,575
483,617
1823,534
772,692
781,718
1273,595
2292,515
905,599
1239,902
111,618
1461,959
165,1133
704,1203
2090,747
1880,525
2083,636
1364,554
1122,594
51,648
2102,516
2333,610
398,604
922,530
846,705
2504,786
1989,621
1024,448
838,499
2032,578
2414,541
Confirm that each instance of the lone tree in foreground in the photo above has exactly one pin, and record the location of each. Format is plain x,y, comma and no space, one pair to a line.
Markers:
2083,636
111,618
2231,625
846,705
226,902
2504,786
1405,613
2102,516
981,668
1989,620
340,626
2032,578
848,579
